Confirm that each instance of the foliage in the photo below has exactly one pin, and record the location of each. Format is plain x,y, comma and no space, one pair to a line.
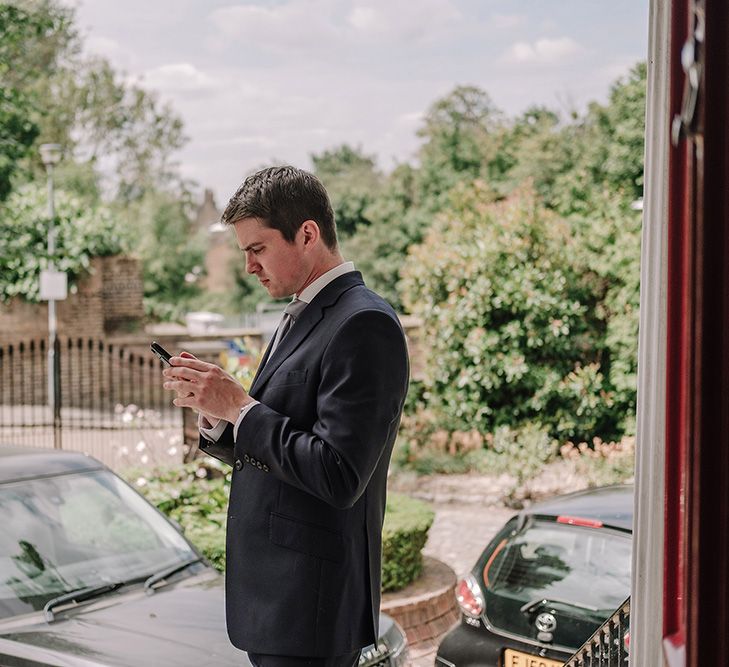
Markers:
615,280
504,306
395,224
172,255
195,495
461,132
519,452
352,181
601,463
118,142
17,134
125,126
407,522
82,232
22,31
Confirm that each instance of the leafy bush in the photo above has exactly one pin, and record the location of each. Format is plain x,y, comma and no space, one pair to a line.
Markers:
603,462
196,497
506,314
82,232
519,452
407,522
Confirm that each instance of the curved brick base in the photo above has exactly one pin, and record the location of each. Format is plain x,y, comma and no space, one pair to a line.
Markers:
427,608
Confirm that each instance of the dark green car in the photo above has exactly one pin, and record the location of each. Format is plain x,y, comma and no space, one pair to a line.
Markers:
545,583
92,575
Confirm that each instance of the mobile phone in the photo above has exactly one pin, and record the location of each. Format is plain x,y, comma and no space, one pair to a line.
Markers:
163,354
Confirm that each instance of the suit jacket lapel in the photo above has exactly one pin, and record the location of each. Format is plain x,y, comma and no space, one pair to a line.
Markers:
309,318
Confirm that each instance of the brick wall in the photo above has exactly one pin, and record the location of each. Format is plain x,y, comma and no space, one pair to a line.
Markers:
108,300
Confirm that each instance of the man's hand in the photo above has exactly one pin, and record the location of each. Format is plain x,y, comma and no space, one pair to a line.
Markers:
205,387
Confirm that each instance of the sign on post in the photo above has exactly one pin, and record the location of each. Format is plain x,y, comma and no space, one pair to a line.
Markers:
53,285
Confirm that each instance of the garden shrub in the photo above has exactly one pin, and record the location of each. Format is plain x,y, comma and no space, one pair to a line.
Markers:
404,534
82,232
508,309
603,463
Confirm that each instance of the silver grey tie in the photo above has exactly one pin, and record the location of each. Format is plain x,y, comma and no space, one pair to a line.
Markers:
291,313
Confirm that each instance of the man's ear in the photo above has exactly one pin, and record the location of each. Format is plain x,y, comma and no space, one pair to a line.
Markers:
310,233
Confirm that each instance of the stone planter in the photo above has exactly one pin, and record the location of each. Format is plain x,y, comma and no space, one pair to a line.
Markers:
426,609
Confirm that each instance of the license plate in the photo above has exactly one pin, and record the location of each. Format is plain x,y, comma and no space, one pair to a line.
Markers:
519,659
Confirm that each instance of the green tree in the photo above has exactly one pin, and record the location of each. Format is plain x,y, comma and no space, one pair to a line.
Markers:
172,255
462,133
353,183
500,291
604,149
380,247
83,231
119,143
25,33
17,134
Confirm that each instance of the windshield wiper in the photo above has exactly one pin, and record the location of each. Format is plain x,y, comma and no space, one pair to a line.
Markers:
529,607
168,572
79,595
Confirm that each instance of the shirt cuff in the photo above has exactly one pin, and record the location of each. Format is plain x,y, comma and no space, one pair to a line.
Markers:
244,411
211,432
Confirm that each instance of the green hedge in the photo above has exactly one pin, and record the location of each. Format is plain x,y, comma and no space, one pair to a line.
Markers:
196,497
407,522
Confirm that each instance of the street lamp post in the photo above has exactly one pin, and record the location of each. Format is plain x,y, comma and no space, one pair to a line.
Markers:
53,287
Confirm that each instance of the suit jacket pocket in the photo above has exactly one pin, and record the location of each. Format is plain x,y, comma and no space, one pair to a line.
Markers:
306,537
286,378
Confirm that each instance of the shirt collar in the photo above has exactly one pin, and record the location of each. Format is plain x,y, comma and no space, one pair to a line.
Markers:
310,291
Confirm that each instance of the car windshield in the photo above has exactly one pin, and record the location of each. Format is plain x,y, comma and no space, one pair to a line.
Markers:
581,566
72,531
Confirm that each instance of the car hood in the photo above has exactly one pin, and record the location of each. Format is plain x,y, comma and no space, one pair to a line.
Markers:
179,625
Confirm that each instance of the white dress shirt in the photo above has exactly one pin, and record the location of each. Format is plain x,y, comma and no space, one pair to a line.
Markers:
307,295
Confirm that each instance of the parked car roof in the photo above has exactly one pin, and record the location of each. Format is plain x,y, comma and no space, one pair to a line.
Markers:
613,505
19,463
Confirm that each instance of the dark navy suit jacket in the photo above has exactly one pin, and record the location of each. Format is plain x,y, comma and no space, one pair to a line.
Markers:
310,464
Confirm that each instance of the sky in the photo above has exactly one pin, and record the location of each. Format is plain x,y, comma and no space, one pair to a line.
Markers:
269,81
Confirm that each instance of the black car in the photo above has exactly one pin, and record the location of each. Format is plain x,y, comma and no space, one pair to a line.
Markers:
545,583
92,575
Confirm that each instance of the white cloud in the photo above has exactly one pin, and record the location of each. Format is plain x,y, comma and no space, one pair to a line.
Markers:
506,21
617,68
544,51
320,26
411,118
363,18
297,24
178,78
420,21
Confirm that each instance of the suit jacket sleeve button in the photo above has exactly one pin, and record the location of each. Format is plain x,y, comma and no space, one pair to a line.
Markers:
238,464
246,458
265,468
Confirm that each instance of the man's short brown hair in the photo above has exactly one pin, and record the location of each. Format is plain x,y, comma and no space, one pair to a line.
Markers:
284,198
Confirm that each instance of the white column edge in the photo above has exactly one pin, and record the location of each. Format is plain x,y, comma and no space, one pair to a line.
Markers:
646,615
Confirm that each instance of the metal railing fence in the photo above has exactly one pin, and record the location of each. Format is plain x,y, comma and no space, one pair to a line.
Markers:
111,403
608,646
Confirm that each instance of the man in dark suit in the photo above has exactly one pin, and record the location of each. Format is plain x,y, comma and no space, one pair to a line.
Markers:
310,444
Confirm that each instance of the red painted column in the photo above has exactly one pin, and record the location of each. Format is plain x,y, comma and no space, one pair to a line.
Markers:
707,507
696,583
